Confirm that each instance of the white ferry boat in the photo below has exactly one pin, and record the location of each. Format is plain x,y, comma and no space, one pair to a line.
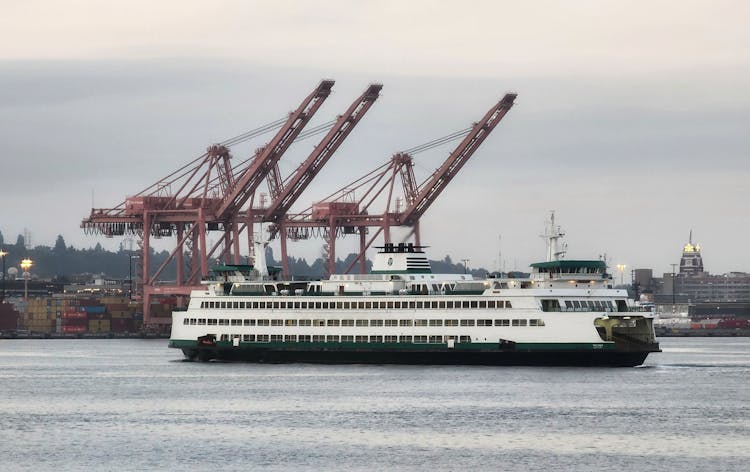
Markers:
565,313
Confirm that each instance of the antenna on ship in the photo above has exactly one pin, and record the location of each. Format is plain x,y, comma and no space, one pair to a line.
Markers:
552,235
259,248
499,266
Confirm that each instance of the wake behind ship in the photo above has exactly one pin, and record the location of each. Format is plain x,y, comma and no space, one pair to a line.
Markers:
566,313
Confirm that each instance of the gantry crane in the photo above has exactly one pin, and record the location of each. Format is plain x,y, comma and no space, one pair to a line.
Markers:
210,196
214,195
288,192
338,214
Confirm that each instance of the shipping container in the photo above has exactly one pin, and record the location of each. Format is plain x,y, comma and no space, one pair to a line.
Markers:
710,323
122,325
74,315
45,326
94,309
98,316
73,329
99,326
8,317
116,306
114,300
83,326
734,324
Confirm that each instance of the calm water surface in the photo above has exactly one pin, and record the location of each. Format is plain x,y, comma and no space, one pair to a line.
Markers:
70,405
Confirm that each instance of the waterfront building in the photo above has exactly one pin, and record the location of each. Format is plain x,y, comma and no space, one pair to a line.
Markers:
706,294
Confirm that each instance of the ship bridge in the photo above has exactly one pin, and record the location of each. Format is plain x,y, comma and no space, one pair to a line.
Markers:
593,272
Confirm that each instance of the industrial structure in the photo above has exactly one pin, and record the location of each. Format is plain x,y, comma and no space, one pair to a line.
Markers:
213,193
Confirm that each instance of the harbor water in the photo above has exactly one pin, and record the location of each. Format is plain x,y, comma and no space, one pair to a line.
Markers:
136,405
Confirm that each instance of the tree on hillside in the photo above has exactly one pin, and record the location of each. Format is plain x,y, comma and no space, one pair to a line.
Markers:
59,262
60,244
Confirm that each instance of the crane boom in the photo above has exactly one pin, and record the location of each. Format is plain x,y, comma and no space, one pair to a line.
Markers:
440,179
246,184
321,154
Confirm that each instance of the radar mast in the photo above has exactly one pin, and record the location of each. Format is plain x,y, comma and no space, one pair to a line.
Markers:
552,235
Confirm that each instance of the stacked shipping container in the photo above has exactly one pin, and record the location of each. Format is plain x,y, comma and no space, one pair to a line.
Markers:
73,321
74,314
37,316
79,315
121,311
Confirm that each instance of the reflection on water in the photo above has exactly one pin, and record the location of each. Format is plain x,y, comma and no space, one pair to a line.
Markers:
134,405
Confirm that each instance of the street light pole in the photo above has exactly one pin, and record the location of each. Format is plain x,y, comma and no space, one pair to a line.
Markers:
26,266
673,281
3,254
466,265
130,274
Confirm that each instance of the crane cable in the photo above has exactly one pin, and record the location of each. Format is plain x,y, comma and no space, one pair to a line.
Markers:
315,130
241,138
437,142
248,135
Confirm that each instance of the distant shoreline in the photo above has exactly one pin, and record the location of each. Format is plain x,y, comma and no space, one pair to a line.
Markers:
703,333
83,336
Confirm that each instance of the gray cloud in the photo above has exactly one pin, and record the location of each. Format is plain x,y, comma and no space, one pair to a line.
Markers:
631,165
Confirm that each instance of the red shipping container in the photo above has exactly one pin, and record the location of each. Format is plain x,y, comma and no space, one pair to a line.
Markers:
736,324
78,320
8,317
74,329
122,325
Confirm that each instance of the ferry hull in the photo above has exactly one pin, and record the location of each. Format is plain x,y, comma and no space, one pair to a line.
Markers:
519,357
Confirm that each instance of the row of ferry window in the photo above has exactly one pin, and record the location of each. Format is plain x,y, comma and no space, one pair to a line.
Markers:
293,338
360,323
605,305
358,305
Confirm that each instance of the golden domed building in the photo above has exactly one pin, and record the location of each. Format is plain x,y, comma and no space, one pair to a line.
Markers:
691,261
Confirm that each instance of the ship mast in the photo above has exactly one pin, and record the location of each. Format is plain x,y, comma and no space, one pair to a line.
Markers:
552,236
259,249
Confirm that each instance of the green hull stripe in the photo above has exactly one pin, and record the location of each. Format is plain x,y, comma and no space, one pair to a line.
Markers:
347,346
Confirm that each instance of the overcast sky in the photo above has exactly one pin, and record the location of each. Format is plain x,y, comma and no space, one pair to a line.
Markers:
632,119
